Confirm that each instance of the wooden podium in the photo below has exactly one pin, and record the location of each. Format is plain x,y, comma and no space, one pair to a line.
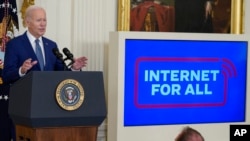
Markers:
24,133
38,116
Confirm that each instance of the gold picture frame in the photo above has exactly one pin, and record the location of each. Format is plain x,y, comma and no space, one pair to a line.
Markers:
236,21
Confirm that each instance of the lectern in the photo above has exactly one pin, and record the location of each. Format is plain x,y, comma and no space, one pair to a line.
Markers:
58,106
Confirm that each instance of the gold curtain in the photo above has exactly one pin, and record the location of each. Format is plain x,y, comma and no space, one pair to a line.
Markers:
25,5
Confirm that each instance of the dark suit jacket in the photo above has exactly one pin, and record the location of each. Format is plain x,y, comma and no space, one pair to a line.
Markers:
19,49
190,16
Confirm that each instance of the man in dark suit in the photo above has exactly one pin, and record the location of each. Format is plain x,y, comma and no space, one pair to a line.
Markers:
193,16
20,55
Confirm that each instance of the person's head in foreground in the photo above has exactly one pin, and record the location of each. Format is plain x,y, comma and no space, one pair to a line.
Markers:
189,134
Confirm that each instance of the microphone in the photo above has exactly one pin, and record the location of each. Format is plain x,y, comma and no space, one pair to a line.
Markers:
59,56
69,56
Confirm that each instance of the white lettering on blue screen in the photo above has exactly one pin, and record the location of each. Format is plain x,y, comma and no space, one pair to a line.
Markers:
175,76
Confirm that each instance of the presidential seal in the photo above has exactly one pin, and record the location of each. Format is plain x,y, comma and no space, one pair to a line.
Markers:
69,94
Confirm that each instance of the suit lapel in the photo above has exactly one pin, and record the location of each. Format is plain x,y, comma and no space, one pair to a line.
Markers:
29,47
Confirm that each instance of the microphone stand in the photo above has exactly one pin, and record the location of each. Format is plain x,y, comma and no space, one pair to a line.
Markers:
60,57
67,67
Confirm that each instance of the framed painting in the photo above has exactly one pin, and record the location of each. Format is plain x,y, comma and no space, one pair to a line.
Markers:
205,16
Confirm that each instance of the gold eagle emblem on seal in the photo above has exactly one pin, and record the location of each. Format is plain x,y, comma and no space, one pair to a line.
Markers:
69,94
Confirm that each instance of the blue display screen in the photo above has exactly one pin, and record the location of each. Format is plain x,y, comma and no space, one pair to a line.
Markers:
184,82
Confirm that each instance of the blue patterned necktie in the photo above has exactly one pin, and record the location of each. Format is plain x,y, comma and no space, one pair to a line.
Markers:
39,54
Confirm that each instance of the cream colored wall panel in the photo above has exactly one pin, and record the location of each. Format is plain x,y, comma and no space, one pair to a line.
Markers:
58,21
87,35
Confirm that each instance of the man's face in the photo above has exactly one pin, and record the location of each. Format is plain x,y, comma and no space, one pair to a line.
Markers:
37,23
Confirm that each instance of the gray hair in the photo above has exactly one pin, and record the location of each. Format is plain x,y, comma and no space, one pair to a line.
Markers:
30,9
